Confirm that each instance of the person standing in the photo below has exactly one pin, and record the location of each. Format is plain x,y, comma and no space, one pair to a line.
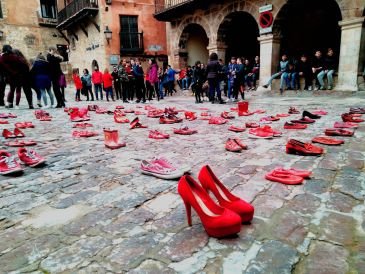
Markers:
97,79
213,69
41,72
328,69
116,82
78,84
108,84
87,84
54,60
16,70
231,73
63,85
198,80
153,78
123,76
171,78
139,82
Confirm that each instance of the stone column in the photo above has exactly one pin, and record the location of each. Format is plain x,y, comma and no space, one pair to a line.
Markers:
269,56
179,58
219,49
350,54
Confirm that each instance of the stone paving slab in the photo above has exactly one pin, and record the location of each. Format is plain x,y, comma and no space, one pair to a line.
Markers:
89,210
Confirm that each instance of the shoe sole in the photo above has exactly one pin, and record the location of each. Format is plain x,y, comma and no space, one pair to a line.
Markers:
37,164
258,137
11,171
162,176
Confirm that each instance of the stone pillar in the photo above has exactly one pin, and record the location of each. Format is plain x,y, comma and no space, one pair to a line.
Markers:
269,56
219,49
350,54
179,58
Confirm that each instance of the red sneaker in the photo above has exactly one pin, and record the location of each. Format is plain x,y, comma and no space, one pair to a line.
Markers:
136,124
8,164
74,115
304,120
155,134
185,131
18,133
231,145
226,199
347,117
170,120
293,110
345,125
293,171
259,133
327,141
239,142
226,115
30,157
284,178
190,116
252,125
275,133
300,148
217,121
289,125
338,132
236,129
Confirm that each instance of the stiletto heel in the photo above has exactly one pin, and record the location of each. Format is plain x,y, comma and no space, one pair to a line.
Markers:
217,221
188,212
225,198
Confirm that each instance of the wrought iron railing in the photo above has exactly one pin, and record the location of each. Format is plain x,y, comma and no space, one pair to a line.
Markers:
163,5
131,42
74,7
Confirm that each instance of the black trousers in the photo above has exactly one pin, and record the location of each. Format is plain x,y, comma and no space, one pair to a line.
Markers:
88,91
131,89
140,89
308,78
125,90
118,90
77,96
57,93
197,89
2,92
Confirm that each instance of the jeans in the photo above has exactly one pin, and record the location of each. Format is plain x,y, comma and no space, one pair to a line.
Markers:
118,89
109,92
283,77
214,88
329,74
185,83
89,91
77,96
161,86
230,87
291,80
44,96
97,88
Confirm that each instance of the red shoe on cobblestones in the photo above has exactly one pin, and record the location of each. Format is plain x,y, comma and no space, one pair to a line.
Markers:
357,110
155,113
239,142
23,125
293,171
8,134
320,112
300,148
304,120
30,157
282,115
137,112
170,119
227,115
289,125
327,141
111,139
259,133
159,171
83,114
252,125
226,199
260,111
269,119
185,131
284,178
205,114
4,122
275,133
155,134
347,117
231,145
18,133
8,164
293,110
345,125
189,115
217,121
171,111
21,143
84,133
163,162
136,124
74,115
82,125
217,221
92,107
236,129
338,132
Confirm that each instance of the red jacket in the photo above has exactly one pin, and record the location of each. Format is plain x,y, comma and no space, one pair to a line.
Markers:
77,81
107,80
97,77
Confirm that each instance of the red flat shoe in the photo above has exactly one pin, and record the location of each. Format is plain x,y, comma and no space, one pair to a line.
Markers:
293,171
327,141
45,118
275,133
305,149
282,115
217,221
347,117
304,120
155,113
15,143
236,129
18,133
119,107
226,115
29,124
338,132
260,111
269,119
137,112
8,134
21,125
169,120
232,146
239,142
284,178
190,116
246,113
30,157
82,125
289,125
259,133
4,122
185,131
155,134
217,121
136,124
252,125
205,114
10,115
345,125
293,110
226,199
320,112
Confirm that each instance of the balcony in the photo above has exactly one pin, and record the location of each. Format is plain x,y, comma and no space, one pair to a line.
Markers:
165,10
131,43
46,22
76,11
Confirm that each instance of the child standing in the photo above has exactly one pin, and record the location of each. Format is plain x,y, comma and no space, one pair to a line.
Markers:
108,84
63,85
78,84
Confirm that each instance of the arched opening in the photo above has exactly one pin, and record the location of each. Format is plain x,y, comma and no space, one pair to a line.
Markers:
309,25
239,32
194,42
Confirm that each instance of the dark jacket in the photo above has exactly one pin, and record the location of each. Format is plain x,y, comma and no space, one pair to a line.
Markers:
115,76
198,76
329,63
305,67
54,66
318,63
138,72
41,74
213,68
14,68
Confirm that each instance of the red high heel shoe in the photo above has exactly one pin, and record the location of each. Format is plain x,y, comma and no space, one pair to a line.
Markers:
217,221
225,198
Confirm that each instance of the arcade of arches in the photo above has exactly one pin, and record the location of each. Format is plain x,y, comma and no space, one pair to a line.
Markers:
299,27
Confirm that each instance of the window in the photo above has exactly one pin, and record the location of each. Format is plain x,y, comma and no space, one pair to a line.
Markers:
130,38
48,9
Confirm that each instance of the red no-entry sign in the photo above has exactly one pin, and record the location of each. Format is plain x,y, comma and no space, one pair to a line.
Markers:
266,19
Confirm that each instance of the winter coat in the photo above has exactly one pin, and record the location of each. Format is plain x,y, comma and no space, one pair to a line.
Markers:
213,68
14,68
107,80
153,74
54,66
41,74
329,63
123,76
77,81
86,80
97,77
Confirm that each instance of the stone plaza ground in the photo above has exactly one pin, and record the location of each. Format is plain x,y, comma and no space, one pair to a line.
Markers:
89,210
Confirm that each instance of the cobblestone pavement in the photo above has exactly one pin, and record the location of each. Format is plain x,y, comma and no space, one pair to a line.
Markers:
91,211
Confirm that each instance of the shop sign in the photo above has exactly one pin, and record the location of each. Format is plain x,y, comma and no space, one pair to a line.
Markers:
155,48
114,59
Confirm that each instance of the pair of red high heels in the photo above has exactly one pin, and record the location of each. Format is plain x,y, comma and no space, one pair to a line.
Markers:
218,220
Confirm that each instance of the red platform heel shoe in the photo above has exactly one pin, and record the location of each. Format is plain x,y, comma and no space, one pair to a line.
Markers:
225,198
217,221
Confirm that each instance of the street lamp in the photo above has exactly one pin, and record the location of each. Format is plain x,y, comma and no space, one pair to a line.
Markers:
108,34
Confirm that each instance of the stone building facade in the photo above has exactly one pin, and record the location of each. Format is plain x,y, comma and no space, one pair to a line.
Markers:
233,27
26,28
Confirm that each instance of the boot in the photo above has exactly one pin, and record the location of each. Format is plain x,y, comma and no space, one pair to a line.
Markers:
112,139
74,115
83,114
